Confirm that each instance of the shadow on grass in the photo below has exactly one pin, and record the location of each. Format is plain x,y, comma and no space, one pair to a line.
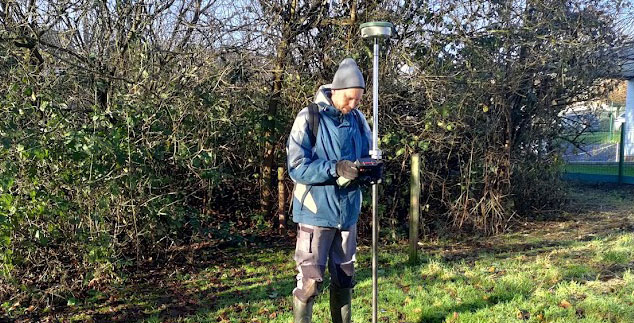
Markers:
554,235
160,296
440,313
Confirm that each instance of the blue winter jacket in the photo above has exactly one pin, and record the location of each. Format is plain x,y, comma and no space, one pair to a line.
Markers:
317,199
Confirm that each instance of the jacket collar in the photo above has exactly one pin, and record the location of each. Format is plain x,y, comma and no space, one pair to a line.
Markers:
323,99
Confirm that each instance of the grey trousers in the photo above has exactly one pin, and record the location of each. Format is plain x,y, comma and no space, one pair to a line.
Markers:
317,246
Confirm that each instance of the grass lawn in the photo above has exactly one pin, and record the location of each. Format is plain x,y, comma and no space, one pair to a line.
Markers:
578,268
608,169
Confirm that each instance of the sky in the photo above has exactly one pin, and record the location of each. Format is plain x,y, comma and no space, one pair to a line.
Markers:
626,19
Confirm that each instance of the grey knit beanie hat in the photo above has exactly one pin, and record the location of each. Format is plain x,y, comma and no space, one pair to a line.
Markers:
348,76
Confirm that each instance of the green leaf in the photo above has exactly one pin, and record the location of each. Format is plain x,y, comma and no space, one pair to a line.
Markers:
6,240
71,302
44,105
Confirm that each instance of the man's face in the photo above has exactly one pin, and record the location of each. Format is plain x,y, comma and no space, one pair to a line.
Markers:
346,99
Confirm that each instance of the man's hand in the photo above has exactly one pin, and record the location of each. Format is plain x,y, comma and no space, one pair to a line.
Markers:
347,169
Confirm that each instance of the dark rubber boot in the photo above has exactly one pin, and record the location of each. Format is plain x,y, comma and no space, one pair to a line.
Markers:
302,312
340,304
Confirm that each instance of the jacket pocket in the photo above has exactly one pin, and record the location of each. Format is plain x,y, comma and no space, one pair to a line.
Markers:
305,239
300,191
309,187
302,194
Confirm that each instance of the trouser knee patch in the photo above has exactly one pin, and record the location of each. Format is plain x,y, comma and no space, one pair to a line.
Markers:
310,288
345,276
312,278
314,272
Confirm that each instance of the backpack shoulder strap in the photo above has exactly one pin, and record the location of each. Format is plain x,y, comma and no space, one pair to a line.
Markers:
361,123
357,116
313,122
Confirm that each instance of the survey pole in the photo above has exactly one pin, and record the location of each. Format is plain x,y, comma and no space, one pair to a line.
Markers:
375,30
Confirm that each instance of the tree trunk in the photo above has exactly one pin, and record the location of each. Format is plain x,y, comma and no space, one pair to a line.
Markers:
268,124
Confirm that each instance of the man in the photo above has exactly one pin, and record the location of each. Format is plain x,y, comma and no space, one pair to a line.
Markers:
326,198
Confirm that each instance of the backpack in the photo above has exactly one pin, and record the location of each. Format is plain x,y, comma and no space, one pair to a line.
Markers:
313,122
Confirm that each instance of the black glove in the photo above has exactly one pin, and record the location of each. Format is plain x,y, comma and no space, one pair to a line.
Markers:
347,169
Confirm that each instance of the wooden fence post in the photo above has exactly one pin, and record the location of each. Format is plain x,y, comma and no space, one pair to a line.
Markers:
281,200
414,209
